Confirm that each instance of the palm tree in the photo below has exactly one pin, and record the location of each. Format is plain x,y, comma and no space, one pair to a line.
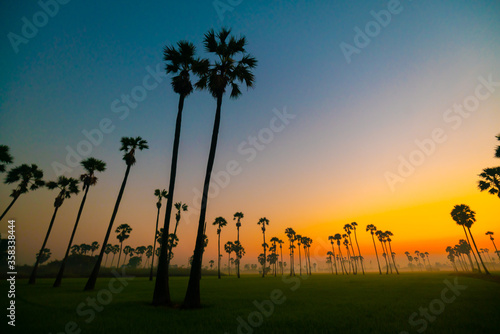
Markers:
159,194
123,232
180,207
338,237
428,261
5,157
489,233
388,238
353,225
464,216
290,233
129,146
75,249
239,251
372,228
109,249
490,181
93,247
275,241
91,166
306,242
67,187
347,229
211,262
228,247
280,242
29,178
114,250
334,258
497,151
220,222
238,216
451,256
127,250
225,72
180,63
149,253
381,238
298,238
329,259
263,222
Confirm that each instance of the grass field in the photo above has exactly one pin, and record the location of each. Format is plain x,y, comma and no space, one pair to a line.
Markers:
319,304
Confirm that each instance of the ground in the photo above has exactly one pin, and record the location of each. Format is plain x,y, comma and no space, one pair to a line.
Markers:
322,303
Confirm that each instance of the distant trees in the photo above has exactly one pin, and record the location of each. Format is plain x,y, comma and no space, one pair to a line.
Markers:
159,194
372,229
490,234
220,223
263,222
122,233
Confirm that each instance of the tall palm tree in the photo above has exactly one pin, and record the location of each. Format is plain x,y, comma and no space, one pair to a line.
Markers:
159,194
490,181
353,225
67,187
280,242
290,233
29,178
220,222
123,232
490,234
129,145
263,222
372,229
298,238
226,71
238,216
5,157
180,62
465,217
348,228
239,251
338,237
229,247
275,241
388,238
428,261
180,207
334,258
330,259
381,239
91,166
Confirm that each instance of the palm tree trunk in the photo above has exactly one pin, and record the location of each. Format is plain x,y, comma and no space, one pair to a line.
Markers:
33,273
95,272
264,266
161,294
239,259
376,254
385,258
334,259
154,246
10,206
359,252
478,254
218,257
496,250
119,255
300,263
475,258
393,261
60,274
192,298
344,270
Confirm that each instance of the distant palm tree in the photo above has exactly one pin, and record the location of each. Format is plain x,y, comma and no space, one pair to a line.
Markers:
381,237
263,222
220,222
93,247
329,259
67,187
239,251
180,62
338,237
290,233
464,216
123,232
109,249
334,258
5,157
159,194
127,250
490,234
211,262
372,229
388,238
274,240
180,207
298,238
238,216
354,224
114,250
280,242
228,247
490,181
91,166
226,71
348,228
29,178
129,146
428,261
149,253
140,251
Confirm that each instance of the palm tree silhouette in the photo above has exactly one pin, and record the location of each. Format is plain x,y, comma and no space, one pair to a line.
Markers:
263,222
225,72
5,157
91,166
338,237
464,216
239,251
159,194
228,247
181,63
381,239
93,247
238,216
290,233
180,207
67,187
388,235
497,150
114,250
280,242
220,222
129,145
490,234
29,178
347,229
298,238
334,259
372,229
109,249
149,253
490,181
123,231
353,225
275,241
127,250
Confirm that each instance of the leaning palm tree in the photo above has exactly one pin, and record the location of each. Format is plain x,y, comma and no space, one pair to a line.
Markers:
159,194
220,222
91,166
353,225
129,146
263,222
490,181
123,232
180,62
348,228
5,157
29,178
490,234
338,237
389,235
67,187
381,238
226,71
464,216
372,228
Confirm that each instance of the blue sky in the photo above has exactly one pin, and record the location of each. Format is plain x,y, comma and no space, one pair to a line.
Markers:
353,120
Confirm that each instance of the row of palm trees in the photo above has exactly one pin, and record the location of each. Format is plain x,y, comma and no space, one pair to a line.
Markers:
230,246
419,255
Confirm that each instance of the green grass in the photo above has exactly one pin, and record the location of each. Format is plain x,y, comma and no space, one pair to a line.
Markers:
321,304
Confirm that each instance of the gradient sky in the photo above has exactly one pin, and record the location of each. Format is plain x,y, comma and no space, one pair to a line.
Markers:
327,167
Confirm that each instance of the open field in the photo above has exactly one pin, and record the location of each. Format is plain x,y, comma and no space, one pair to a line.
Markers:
318,304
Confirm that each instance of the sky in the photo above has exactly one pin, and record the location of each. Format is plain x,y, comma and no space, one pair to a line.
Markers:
378,112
